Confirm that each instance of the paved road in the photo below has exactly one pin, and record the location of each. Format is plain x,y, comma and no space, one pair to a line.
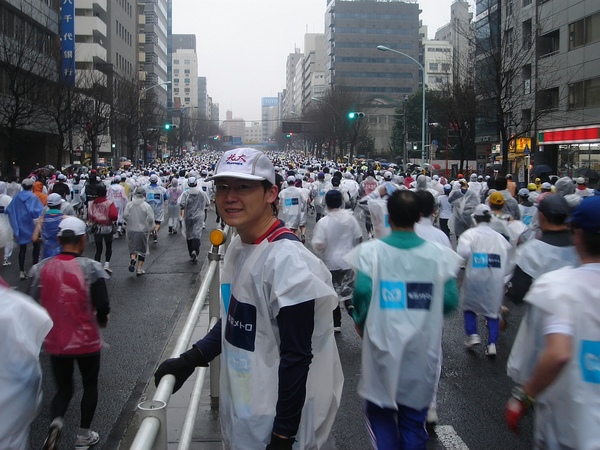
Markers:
145,309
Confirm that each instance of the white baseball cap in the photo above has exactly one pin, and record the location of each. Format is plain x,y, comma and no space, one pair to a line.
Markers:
481,210
71,226
246,164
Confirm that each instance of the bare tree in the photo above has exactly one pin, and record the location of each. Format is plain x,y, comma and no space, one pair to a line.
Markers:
93,105
27,70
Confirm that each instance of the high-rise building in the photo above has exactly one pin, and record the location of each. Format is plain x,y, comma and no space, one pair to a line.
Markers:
269,117
354,29
155,49
184,84
291,78
313,69
203,97
380,80
122,43
437,61
459,32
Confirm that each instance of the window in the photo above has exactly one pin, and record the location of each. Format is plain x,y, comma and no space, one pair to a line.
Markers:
526,3
175,61
549,43
527,79
175,90
508,38
187,99
584,94
175,71
584,31
445,67
433,67
548,99
527,27
186,62
187,90
186,71
186,80
176,80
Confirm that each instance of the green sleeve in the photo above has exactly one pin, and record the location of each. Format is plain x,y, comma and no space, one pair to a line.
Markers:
361,298
450,295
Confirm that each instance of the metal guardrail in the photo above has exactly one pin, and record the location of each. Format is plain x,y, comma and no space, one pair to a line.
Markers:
152,431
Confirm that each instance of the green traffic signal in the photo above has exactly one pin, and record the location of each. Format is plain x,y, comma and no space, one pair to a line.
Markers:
167,126
356,115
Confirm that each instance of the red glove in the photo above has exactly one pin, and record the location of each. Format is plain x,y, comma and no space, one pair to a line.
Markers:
516,407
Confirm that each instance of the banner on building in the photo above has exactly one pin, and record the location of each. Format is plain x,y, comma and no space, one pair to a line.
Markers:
67,41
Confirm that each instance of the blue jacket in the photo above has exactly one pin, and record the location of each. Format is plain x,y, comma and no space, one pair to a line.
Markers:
22,211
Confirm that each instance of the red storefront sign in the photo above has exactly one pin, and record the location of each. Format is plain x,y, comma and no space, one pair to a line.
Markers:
577,135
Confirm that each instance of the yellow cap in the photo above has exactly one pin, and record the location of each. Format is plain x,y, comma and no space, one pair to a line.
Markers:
532,187
496,199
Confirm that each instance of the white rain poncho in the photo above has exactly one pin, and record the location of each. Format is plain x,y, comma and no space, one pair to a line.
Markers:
140,221
379,217
462,210
116,194
567,413
6,232
23,326
535,258
334,236
155,196
293,204
320,188
262,279
193,202
403,330
486,256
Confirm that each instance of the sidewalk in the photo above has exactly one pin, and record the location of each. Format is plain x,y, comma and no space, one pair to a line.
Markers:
207,428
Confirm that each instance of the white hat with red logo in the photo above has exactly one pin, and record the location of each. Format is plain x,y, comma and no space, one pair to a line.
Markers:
246,164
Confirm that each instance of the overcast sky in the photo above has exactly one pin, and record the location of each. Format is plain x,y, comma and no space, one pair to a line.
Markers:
242,45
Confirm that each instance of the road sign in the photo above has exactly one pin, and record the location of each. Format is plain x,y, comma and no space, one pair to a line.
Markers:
523,144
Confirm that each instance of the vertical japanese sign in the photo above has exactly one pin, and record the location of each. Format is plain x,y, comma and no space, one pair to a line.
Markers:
67,39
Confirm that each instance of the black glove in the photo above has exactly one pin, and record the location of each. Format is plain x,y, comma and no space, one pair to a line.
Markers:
181,367
279,443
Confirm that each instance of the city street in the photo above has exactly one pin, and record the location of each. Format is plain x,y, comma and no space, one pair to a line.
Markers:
145,310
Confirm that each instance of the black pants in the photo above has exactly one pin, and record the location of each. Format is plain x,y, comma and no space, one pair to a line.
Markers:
444,227
22,252
98,239
62,369
193,244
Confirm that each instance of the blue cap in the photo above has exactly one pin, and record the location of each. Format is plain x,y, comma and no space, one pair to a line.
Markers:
587,215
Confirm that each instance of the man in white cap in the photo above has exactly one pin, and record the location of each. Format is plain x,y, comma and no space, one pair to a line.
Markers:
582,190
486,254
75,336
281,378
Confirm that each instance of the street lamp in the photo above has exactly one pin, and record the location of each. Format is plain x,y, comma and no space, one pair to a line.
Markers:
383,48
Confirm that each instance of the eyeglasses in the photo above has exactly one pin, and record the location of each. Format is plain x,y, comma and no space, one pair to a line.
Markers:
240,189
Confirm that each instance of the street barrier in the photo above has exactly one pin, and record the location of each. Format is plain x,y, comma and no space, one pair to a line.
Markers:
152,432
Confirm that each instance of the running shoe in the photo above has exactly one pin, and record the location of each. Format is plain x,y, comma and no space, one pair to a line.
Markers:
85,442
54,432
472,340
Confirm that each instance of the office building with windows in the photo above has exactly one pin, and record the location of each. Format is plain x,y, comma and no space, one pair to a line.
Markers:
184,84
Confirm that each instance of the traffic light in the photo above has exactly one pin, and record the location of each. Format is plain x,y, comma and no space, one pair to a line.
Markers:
171,126
356,115
289,135
167,126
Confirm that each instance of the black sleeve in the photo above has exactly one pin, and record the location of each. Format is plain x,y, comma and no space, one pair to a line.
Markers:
210,345
100,300
296,324
520,284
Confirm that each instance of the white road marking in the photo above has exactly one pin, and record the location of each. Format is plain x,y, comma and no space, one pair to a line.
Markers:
449,438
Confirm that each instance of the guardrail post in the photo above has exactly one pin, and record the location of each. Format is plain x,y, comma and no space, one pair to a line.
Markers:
157,410
214,310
